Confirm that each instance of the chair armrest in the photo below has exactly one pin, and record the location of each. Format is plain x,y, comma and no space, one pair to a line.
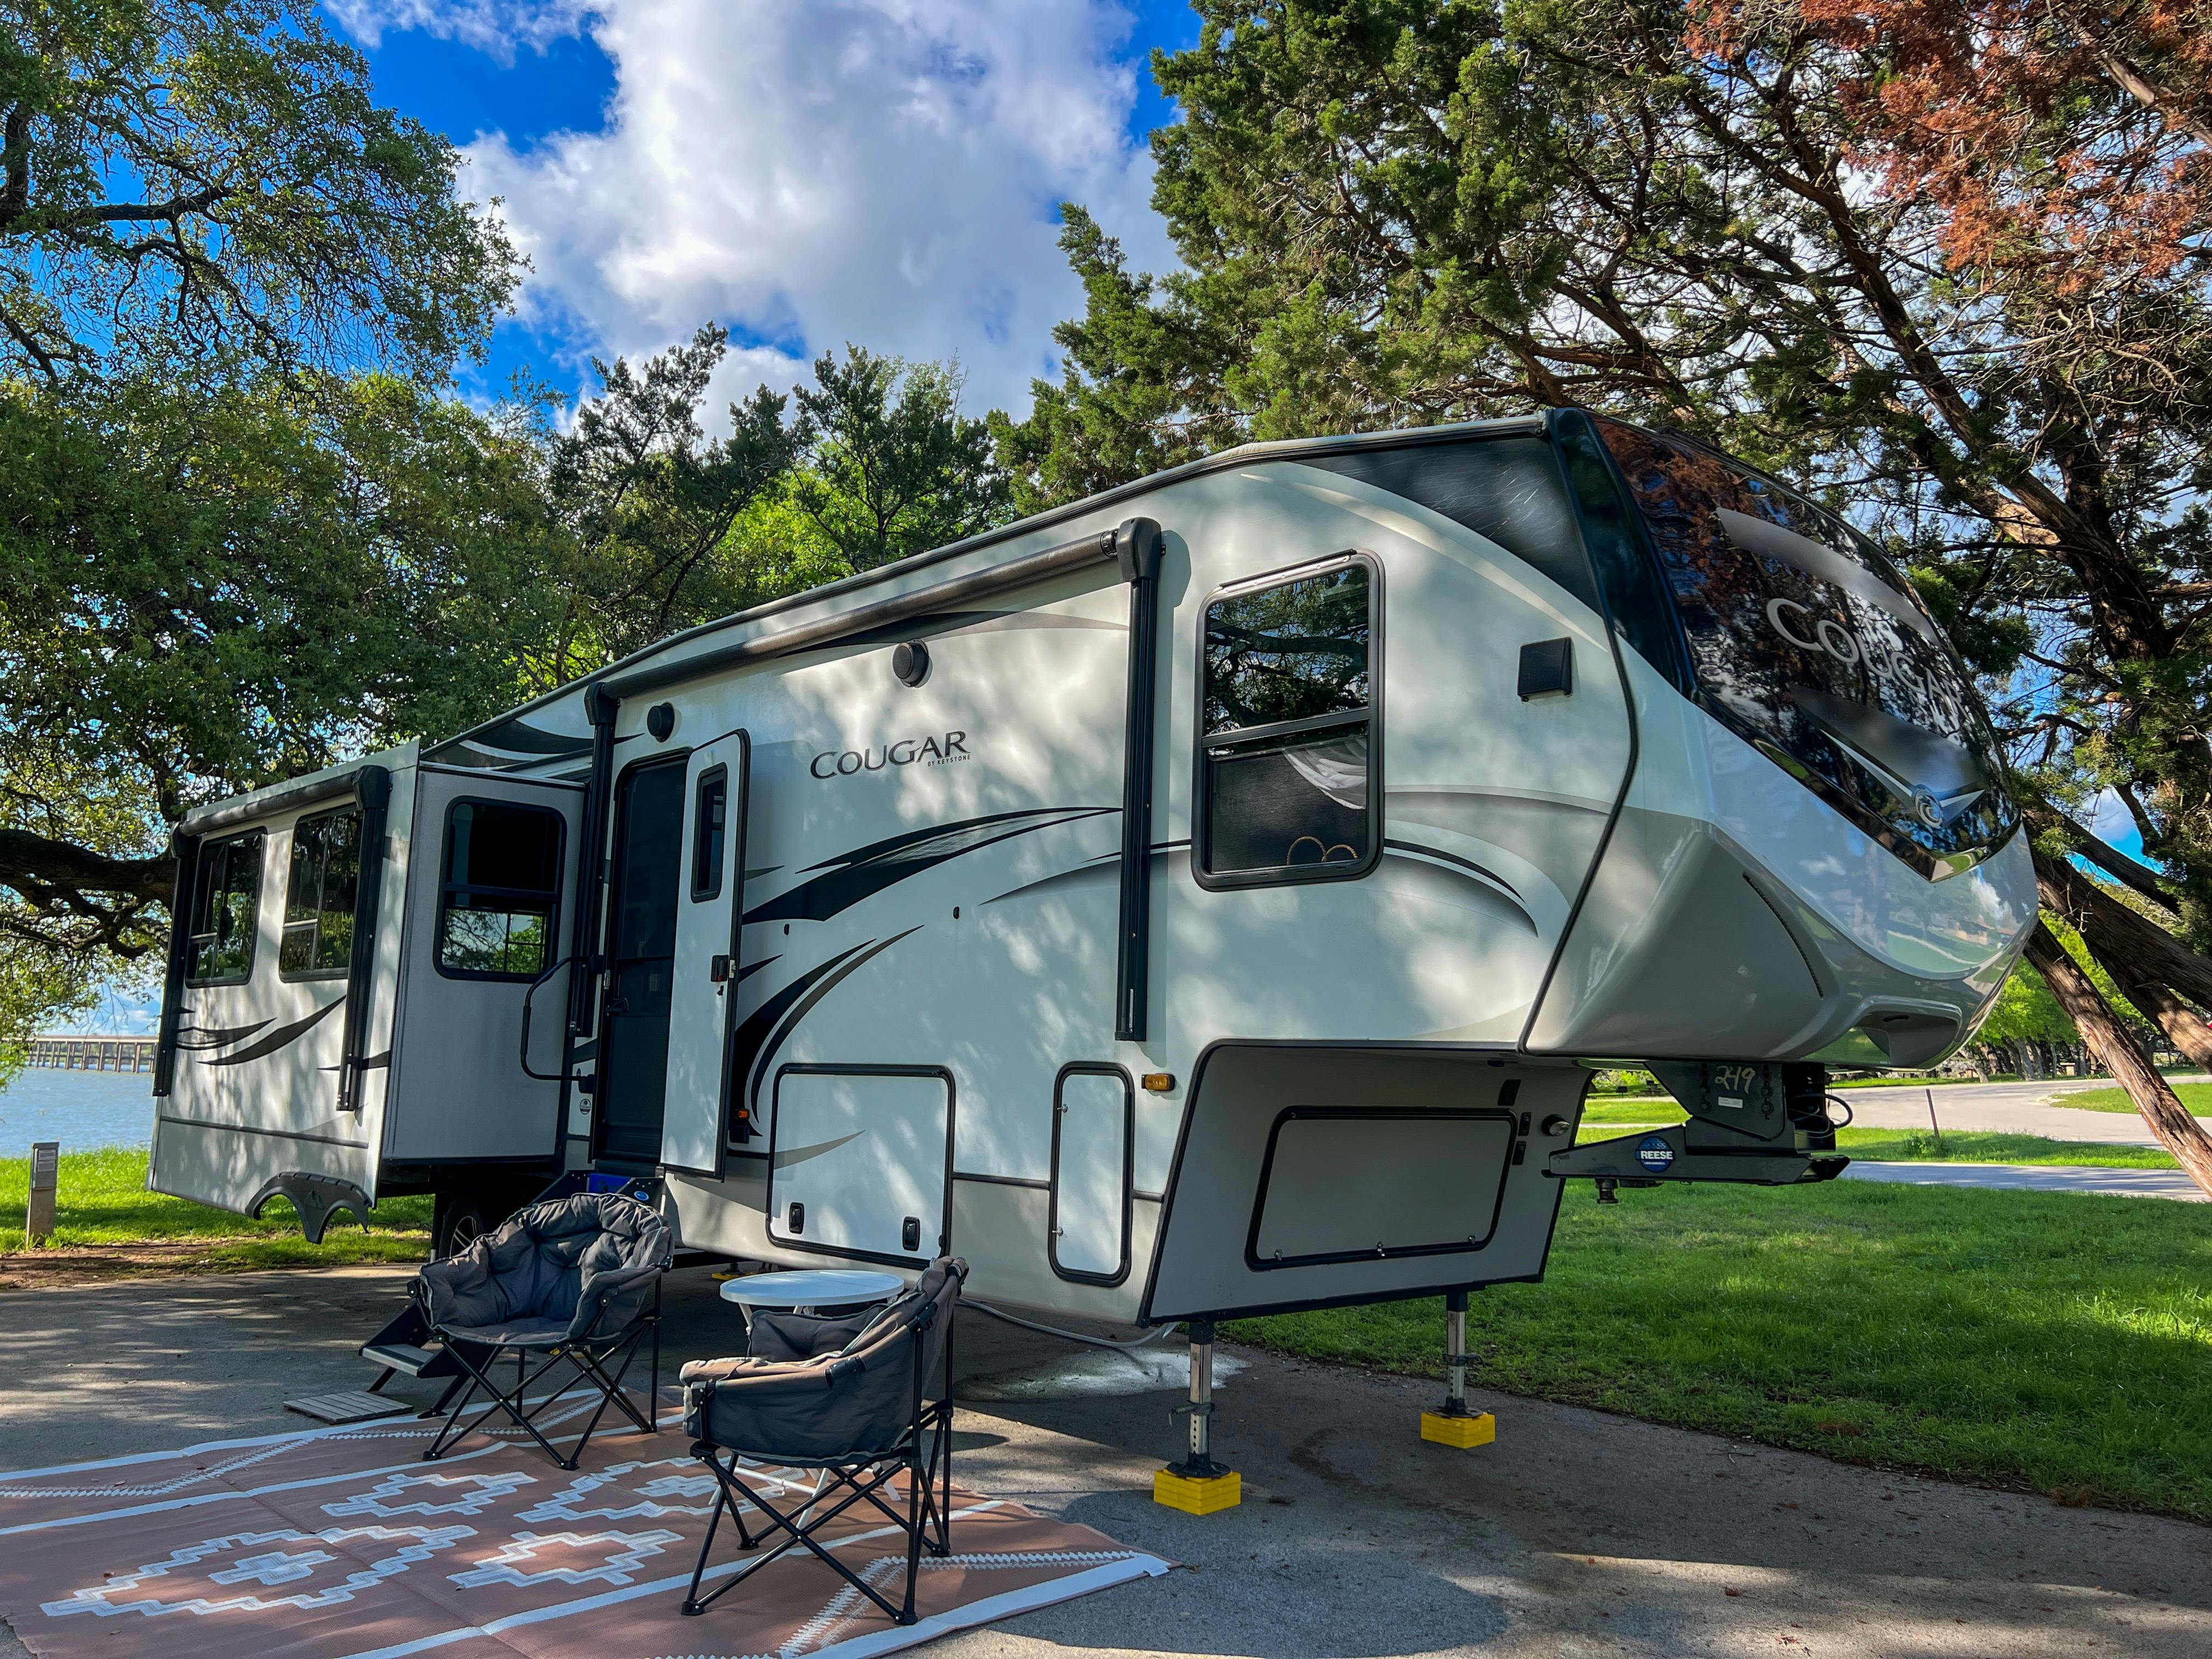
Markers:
441,1287
596,1291
711,1370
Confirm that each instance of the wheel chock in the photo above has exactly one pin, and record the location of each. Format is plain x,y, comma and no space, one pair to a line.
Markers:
1460,1431
1205,1496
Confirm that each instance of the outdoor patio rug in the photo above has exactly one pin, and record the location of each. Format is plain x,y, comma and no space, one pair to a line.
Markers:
341,1543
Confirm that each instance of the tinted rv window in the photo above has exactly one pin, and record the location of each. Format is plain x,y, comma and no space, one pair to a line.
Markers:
1634,592
1507,489
226,911
502,890
1287,755
1807,643
708,813
319,897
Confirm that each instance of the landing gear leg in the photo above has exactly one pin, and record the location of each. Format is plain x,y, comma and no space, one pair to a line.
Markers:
1198,1485
1455,1425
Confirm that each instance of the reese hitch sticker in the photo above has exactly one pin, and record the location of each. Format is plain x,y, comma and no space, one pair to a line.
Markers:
1653,1152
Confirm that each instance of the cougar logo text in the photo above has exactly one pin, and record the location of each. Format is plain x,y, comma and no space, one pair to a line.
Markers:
907,751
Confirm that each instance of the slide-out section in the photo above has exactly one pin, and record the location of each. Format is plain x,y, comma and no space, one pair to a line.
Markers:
276,1012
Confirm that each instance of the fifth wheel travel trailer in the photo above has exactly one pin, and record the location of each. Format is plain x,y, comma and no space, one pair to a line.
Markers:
1208,898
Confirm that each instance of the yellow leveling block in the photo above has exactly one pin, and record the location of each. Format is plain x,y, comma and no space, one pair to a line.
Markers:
1180,1492
1460,1431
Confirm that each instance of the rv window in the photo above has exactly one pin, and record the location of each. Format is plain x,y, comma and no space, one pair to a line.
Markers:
226,911
502,890
1506,489
1288,756
708,813
319,899
1809,644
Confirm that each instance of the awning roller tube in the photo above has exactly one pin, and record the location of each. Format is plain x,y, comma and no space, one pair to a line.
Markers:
1100,547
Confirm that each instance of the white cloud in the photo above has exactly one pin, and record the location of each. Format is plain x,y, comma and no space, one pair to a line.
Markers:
493,26
881,170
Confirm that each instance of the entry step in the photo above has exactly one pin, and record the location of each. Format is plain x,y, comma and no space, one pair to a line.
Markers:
403,1357
353,1406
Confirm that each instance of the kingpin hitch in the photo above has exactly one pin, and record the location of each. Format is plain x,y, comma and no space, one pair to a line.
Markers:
1751,1121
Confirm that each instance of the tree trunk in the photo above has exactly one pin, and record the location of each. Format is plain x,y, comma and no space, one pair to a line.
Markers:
2148,964
2116,1047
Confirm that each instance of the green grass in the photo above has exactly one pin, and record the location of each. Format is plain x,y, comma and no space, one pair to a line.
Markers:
2047,1341
1643,1108
1629,1094
102,1200
2197,1096
1970,1146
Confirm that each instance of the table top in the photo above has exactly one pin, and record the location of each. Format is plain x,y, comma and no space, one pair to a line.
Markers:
812,1287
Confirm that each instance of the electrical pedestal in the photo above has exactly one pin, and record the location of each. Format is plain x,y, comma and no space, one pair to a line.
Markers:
1455,1424
1198,1485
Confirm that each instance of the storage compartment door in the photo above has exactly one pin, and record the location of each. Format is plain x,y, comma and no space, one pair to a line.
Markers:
491,876
695,1127
1090,1170
860,1161
1363,1185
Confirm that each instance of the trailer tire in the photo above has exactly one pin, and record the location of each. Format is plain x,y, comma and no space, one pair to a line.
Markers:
460,1220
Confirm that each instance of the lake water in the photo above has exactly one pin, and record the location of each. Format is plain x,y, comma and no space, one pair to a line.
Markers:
80,1110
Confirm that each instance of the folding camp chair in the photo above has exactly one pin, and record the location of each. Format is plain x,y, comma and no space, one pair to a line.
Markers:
573,1281
849,1398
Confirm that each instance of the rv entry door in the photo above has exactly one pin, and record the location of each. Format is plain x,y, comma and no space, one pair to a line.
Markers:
648,871
703,990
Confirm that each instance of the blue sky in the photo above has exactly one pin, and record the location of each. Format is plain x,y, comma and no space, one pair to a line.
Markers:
883,171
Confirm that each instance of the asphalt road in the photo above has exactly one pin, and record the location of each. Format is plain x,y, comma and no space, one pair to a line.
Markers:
2004,1108
2016,1109
2041,1178
1578,1534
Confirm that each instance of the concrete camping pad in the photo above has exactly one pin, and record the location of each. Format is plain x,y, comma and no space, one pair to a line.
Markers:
1578,1532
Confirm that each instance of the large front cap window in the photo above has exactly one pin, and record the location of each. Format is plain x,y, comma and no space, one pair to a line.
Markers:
1807,642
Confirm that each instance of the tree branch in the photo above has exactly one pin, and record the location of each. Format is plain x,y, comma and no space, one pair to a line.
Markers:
34,860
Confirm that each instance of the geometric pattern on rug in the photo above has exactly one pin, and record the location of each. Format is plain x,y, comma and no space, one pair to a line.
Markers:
340,1543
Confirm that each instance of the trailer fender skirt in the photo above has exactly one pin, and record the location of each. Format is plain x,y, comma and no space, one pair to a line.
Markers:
316,1197
1653,1155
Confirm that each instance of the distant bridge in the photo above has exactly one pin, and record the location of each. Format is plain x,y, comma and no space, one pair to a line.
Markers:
93,1054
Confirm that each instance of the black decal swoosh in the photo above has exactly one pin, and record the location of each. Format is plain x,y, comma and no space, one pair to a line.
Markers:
752,968
798,1000
789,1156
216,1039
848,879
1453,858
278,1038
752,1033
807,1004
1487,879
1087,867
520,737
